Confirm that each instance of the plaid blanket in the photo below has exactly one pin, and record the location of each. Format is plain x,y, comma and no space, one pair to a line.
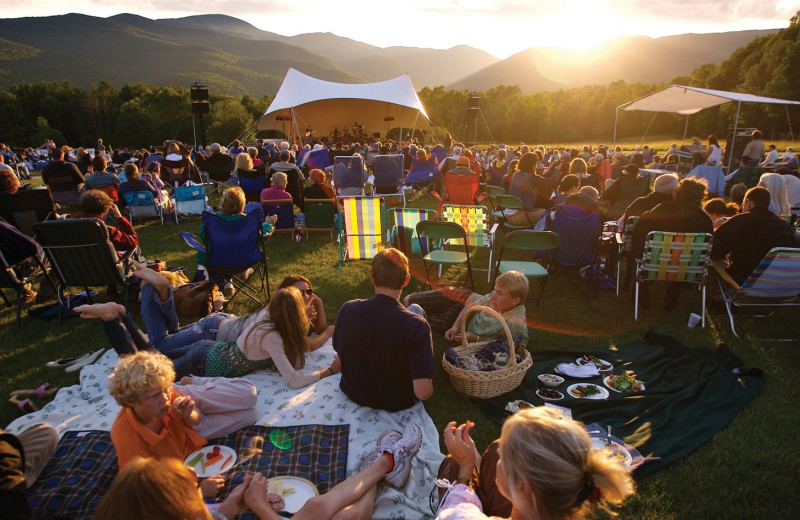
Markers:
85,464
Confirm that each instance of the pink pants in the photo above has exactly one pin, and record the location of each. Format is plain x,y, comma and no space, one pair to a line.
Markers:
227,404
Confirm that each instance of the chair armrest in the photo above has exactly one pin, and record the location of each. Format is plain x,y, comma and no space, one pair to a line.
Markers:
719,268
193,242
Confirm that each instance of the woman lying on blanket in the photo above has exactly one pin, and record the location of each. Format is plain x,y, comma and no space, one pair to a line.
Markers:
314,307
161,419
167,490
553,473
219,345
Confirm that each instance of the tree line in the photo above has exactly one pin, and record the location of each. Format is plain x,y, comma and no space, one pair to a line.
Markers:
143,115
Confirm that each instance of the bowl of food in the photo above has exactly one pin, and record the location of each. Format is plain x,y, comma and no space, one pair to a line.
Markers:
551,380
548,394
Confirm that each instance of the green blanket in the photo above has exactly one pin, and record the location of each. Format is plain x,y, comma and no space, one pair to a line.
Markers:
691,394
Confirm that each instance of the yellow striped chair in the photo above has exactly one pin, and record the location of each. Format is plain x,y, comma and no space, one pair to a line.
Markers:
361,221
475,221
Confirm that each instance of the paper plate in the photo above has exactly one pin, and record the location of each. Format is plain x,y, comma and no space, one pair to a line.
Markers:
601,364
605,382
602,393
218,467
303,491
620,452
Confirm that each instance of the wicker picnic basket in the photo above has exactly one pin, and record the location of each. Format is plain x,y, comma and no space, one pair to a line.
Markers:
475,383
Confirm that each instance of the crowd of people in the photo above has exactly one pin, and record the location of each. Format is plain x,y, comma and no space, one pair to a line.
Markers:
178,386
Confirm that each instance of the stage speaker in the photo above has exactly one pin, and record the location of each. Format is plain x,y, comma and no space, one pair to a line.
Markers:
201,107
198,92
473,101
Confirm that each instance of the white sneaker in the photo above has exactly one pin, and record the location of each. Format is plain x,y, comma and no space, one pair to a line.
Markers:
65,362
386,441
403,451
88,360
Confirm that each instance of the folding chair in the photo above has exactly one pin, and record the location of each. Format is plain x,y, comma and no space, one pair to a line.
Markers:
443,234
348,174
219,168
545,243
285,211
577,240
320,215
389,176
316,159
235,247
674,257
475,222
422,175
402,232
504,202
175,172
361,223
143,204
749,175
252,183
492,193
189,200
25,208
81,254
775,282
624,239
17,276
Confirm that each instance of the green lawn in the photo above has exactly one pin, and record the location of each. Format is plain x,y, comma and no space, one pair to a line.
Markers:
751,469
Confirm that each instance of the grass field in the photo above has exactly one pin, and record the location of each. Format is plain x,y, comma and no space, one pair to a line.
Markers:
751,469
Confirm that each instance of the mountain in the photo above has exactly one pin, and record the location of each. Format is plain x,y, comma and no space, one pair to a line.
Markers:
426,67
630,58
128,48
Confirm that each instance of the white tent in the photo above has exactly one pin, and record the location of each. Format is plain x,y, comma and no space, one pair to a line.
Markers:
686,100
303,101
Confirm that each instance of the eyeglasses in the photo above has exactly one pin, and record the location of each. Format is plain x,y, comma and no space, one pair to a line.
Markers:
308,292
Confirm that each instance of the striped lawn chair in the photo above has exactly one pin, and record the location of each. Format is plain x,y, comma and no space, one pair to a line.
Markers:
475,221
775,282
402,232
674,257
361,236
624,239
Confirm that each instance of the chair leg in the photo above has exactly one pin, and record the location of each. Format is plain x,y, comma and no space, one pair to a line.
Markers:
703,309
636,302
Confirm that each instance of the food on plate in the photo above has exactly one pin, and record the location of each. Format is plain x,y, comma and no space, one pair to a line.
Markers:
599,363
584,390
194,460
549,393
277,487
515,406
550,379
624,383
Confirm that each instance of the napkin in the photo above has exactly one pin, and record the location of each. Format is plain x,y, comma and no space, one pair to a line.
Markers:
573,370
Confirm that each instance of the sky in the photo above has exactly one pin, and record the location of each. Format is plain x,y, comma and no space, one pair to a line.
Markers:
500,27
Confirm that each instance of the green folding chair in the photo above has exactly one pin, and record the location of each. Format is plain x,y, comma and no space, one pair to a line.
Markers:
403,231
443,236
504,202
320,215
544,243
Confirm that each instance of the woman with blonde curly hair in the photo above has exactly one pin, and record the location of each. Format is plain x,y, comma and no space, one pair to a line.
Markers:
162,420
542,467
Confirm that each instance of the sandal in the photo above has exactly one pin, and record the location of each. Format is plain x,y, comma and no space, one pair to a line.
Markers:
25,406
65,362
39,392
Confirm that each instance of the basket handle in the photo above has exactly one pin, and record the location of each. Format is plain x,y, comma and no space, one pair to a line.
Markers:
512,359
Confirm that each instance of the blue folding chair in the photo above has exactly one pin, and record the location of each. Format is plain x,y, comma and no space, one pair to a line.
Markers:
252,183
234,248
348,174
577,245
389,176
285,211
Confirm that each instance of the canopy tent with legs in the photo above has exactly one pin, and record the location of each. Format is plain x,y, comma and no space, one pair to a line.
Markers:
323,105
686,100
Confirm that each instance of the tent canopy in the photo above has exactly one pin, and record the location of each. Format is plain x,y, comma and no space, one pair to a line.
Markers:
691,100
305,101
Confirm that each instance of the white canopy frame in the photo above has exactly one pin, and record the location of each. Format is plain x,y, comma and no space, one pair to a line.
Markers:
682,99
323,104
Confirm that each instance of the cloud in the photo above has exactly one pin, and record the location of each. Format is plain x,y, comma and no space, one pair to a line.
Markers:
711,11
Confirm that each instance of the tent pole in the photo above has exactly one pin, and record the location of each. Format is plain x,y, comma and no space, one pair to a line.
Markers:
788,120
685,128
616,115
641,143
296,136
733,137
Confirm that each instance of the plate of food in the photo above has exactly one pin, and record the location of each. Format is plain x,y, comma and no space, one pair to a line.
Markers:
294,491
211,460
623,383
519,404
551,380
601,364
549,394
587,391
619,452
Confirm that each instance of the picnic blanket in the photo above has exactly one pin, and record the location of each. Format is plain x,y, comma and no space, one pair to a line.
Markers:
85,464
89,406
690,395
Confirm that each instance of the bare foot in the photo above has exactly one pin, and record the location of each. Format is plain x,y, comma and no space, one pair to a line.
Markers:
186,380
104,311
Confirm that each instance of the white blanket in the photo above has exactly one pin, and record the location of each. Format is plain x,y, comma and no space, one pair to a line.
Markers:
89,406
